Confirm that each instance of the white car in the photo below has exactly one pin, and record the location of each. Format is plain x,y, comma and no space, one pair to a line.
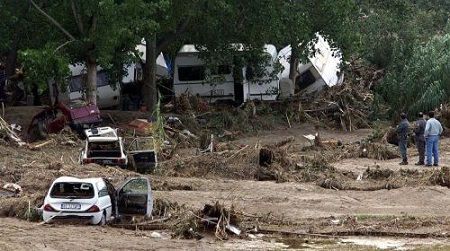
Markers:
96,200
104,147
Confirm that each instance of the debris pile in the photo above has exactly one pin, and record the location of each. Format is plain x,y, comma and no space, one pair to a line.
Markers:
7,134
345,106
212,219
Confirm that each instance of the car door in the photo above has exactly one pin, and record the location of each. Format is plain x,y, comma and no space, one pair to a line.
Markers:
141,152
134,197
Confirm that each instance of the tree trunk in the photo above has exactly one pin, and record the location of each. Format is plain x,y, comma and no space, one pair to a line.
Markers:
91,82
149,90
293,64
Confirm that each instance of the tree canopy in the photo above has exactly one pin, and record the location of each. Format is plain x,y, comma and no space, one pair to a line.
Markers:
390,35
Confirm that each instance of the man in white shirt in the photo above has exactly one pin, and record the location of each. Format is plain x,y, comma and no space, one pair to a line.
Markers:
433,130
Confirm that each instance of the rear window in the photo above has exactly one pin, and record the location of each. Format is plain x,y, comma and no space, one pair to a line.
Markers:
72,190
104,149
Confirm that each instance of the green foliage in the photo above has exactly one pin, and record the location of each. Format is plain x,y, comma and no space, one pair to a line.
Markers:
42,66
423,83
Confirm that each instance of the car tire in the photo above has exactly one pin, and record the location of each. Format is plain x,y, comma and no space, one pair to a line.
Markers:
103,220
42,128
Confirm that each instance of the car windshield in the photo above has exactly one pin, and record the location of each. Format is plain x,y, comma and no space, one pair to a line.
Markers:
75,190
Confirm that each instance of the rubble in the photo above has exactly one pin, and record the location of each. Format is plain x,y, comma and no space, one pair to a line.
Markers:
345,106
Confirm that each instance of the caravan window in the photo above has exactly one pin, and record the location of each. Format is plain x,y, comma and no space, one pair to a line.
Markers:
191,73
221,70
305,79
76,82
102,78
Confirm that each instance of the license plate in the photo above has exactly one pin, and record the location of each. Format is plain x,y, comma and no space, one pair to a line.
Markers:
107,161
70,206
218,92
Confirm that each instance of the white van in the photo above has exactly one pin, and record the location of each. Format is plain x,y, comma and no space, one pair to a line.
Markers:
192,77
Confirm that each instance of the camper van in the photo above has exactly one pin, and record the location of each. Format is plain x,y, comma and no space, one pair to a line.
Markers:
323,68
108,95
134,70
191,76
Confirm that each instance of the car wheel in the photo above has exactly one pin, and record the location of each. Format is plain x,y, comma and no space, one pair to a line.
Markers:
33,133
42,129
103,220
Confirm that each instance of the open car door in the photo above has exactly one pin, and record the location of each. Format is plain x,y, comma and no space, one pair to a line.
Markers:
142,154
134,197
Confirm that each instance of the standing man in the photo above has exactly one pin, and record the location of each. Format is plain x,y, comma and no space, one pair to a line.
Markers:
402,132
433,130
419,129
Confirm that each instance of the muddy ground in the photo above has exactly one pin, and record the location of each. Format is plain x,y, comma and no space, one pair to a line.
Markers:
335,198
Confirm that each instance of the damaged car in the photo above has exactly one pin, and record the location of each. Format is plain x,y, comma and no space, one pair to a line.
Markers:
103,146
77,115
96,200
141,152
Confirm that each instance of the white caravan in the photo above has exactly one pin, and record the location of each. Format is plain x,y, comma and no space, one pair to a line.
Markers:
192,77
323,68
107,95
134,70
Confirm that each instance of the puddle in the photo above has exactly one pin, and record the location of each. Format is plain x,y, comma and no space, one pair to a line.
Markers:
379,243
396,243
267,242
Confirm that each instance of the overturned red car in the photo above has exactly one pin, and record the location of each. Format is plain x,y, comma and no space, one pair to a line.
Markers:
77,115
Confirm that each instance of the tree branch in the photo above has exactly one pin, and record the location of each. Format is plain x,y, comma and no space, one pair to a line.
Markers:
53,21
162,43
66,43
77,17
93,24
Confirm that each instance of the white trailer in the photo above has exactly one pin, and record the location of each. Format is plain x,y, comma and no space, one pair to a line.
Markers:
191,76
323,68
108,95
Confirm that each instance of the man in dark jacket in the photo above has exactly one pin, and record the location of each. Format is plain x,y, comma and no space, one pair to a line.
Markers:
402,132
419,129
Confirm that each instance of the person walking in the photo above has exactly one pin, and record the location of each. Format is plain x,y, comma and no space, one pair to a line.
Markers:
402,132
433,130
419,129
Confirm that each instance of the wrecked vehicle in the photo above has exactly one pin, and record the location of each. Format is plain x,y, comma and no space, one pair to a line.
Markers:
141,153
137,127
104,147
77,115
96,200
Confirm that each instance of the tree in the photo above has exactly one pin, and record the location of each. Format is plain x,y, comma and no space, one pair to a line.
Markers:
393,36
92,29
423,84
301,20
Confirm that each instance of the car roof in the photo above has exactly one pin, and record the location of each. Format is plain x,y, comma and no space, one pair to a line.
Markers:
74,179
104,132
102,139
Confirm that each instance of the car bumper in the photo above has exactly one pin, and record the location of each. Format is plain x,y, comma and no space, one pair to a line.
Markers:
91,218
